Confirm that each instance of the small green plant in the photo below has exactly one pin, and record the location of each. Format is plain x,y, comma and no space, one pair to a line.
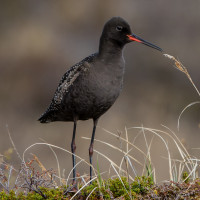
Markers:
149,171
185,177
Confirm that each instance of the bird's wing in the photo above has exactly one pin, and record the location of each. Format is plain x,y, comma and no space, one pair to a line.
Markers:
65,83
68,79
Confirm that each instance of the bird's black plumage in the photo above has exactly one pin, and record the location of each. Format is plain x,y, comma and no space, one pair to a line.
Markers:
89,88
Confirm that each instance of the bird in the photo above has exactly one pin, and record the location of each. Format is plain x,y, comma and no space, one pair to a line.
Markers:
90,87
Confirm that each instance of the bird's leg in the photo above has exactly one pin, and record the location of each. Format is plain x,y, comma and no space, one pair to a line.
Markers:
73,148
91,146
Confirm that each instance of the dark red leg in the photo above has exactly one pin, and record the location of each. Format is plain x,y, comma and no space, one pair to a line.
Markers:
73,149
91,146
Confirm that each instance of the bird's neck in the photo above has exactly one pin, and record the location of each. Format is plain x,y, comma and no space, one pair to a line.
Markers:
110,50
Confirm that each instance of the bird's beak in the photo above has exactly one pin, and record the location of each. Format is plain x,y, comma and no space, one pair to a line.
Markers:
134,37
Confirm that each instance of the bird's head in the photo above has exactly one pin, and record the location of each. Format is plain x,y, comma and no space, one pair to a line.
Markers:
119,32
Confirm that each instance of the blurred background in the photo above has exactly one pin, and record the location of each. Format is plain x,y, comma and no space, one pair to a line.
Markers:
40,40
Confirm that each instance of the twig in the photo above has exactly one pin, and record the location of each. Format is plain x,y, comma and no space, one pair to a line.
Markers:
9,175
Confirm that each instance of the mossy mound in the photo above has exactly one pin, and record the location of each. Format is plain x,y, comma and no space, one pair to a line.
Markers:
119,188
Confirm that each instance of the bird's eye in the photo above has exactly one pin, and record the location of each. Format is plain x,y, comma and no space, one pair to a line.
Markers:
119,28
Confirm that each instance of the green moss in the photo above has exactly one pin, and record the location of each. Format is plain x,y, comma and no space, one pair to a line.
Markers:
119,187
10,196
97,192
140,188
43,193
111,188
142,184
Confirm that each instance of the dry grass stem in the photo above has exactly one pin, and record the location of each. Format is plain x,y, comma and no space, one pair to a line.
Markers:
112,163
191,104
13,144
39,163
72,171
116,148
91,193
57,161
83,187
183,69
131,144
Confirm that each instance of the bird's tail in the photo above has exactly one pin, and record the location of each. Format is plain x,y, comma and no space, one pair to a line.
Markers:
46,117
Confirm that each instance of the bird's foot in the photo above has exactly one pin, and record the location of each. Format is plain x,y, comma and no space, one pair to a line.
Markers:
72,188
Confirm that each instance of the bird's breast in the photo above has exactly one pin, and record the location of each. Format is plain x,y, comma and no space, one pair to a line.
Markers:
106,81
95,91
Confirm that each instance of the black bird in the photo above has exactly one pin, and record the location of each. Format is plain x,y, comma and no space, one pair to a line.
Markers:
89,88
